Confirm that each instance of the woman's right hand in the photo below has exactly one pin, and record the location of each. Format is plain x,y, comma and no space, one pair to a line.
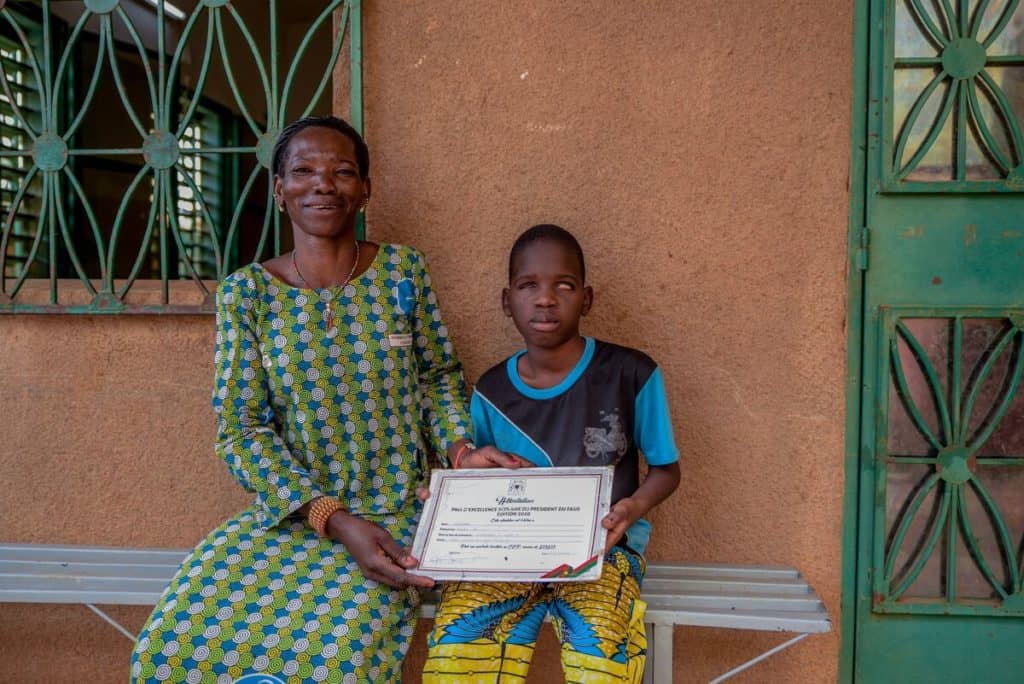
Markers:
379,556
492,457
483,457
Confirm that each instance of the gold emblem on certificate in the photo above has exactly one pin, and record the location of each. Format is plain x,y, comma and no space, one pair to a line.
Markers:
525,525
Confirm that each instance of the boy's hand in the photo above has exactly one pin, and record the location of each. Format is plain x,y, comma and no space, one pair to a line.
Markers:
491,457
620,518
661,481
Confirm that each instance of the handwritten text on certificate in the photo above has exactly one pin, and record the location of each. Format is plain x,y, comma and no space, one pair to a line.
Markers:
531,524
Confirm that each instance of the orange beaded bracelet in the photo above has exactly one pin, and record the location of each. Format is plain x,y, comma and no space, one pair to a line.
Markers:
460,452
320,510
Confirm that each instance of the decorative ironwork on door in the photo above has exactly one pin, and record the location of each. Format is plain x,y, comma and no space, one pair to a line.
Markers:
187,233
955,86
949,517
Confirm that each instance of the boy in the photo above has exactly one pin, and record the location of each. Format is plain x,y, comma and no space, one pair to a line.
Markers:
566,400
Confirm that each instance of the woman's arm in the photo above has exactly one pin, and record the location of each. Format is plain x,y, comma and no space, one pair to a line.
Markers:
247,438
485,455
444,411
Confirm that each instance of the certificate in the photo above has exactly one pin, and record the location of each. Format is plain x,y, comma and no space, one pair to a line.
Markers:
523,525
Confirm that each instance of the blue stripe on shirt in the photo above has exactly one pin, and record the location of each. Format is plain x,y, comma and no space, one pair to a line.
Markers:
491,427
652,426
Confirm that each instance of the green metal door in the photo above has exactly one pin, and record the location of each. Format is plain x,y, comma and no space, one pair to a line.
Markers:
937,572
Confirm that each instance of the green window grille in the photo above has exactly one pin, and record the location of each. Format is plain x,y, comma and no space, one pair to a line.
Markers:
198,102
20,190
203,190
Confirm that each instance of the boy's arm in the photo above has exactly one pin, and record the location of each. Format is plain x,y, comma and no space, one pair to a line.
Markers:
661,481
652,433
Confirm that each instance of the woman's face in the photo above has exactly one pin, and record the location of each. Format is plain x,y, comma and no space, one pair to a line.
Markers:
320,184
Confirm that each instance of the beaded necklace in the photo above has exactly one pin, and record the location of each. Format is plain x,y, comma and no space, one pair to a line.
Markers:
335,291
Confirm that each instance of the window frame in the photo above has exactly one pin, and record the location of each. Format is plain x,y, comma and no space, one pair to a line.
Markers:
168,231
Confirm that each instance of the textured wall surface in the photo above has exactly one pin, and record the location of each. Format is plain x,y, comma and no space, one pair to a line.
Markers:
699,151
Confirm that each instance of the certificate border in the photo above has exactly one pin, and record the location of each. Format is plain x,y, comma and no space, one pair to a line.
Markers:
588,570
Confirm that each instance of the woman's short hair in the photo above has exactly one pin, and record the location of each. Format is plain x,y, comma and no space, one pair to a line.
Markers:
332,122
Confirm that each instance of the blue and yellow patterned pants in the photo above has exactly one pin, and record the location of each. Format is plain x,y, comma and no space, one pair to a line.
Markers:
486,632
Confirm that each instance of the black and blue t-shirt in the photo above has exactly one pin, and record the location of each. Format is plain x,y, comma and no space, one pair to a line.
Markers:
606,411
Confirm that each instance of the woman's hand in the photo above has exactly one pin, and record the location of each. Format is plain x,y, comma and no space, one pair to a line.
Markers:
491,457
379,556
484,457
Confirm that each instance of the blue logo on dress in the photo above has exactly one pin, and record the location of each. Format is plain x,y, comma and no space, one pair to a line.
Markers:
405,296
258,679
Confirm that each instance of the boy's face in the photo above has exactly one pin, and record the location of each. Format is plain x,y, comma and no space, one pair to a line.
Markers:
546,296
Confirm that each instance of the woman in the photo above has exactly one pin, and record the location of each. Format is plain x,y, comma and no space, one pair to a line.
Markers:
331,363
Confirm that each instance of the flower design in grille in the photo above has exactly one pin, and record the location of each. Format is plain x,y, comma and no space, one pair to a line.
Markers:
163,109
965,44
967,413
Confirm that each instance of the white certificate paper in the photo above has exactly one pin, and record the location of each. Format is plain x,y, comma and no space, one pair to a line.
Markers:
523,525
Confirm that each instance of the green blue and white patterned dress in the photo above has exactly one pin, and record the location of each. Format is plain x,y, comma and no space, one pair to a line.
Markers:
303,412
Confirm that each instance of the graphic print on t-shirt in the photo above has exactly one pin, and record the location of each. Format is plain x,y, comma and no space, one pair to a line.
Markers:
604,442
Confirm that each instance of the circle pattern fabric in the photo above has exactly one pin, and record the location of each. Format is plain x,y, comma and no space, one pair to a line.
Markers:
305,411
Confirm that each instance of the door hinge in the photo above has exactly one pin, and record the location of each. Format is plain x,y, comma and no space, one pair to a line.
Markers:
862,251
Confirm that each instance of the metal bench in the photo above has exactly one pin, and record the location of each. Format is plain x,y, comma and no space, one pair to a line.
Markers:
700,595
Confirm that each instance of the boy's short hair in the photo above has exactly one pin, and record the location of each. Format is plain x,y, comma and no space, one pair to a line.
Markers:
546,231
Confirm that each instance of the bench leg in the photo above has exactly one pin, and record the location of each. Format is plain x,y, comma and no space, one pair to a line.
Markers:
755,661
659,654
649,664
114,623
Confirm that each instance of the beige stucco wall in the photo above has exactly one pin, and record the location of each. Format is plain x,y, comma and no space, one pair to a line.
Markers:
699,150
